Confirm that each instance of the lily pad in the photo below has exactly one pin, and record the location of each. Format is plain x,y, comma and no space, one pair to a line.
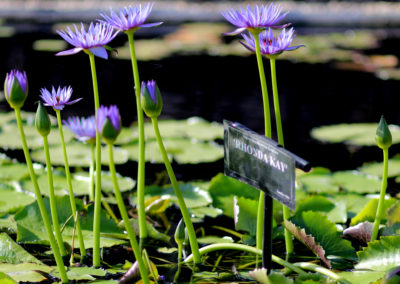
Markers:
376,169
25,272
13,171
380,255
78,155
246,215
31,228
11,252
369,211
319,180
81,273
353,181
367,277
336,212
182,150
361,134
14,199
49,45
5,279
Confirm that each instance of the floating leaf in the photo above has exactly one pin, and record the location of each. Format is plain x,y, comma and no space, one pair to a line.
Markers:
362,134
32,230
49,45
260,275
324,232
354,203
11,252
376,169
182,150
393,214
391,231
319,180
335,212
367,277
13,200
7,223
361,232
25,272
78,155
214,240
13,171
223,189
5,279
81,273
380,255
246,215
357,182
369,211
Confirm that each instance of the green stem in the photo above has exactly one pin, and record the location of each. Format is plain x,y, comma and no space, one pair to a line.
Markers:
91,171
267,125
234,246
379,211
141,163
70,188
125,217
40,202
286,212
53,207
97,196
185,214
322,270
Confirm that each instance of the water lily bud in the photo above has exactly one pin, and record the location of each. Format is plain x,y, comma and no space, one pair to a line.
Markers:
109,123
151,99
180,232
16,88
383,136
42,120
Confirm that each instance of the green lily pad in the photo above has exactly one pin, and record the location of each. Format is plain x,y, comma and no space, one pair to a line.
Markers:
336,212
13,171
78,155
362,134
25,272
354,203
80,183
324,232
223,189
31,228
367,277
357,182
11,252
15,199
214,240
182,150
81,273
376,169
7,223
5,279
246,215
319,180
369,211
380,255
49,45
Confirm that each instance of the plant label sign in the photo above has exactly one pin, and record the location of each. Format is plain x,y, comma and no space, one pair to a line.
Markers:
260,162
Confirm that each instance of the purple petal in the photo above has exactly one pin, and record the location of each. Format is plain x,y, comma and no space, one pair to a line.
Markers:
70,51
74,101
99,51
294,47
151,25
249,47
236,32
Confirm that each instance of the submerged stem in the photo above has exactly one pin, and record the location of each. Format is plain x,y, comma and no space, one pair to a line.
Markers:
53,206
379,210
141,162
40,202
125,218
70,188
97,196
185,213
277,111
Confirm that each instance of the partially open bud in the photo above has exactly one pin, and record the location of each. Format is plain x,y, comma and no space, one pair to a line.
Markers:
180,232
16,88
151,100
109,123
383,136
42,120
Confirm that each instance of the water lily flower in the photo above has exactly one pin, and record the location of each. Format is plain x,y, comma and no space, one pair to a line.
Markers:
258,19
150,98
271,45
130,18
16,88
94,40
83,128
109,122
57,98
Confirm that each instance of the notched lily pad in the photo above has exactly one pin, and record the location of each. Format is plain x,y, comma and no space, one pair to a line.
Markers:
11,252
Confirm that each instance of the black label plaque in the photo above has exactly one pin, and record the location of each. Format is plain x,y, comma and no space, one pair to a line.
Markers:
260,162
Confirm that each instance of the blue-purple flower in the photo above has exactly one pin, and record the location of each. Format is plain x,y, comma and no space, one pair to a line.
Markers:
258,19
130,18
151,99
16,88
108,123
57,98
270,45
93,40
83,128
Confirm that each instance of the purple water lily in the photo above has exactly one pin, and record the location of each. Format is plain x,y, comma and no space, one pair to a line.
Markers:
260,18
271,45
21,78
130,18
58,98
112,114
83,128
94,39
